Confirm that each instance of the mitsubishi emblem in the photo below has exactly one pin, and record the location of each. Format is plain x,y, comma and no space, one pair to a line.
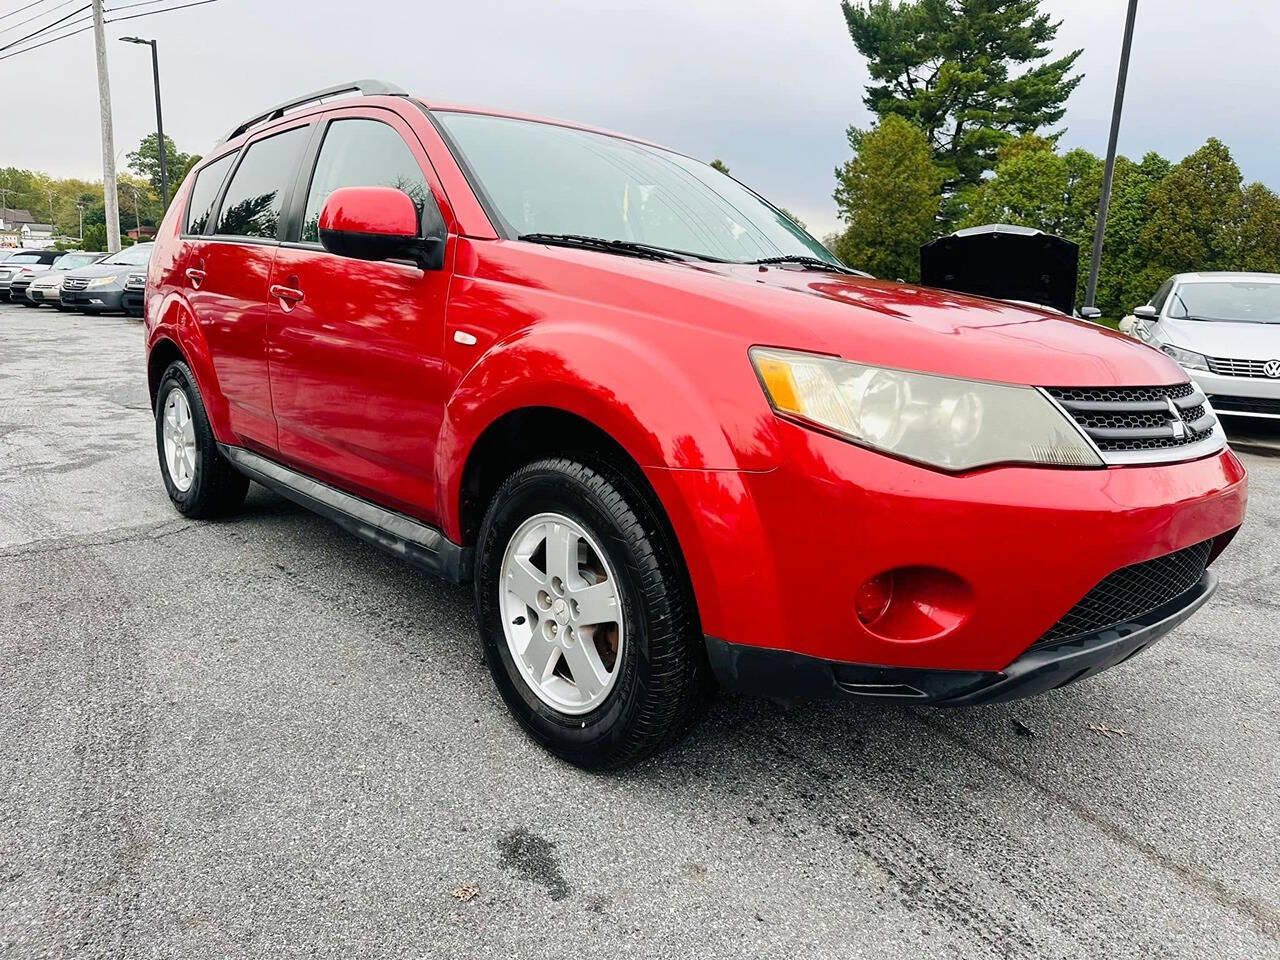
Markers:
1178,424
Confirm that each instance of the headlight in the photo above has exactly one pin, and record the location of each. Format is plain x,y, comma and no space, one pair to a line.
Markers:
940,421
1186,358
97,283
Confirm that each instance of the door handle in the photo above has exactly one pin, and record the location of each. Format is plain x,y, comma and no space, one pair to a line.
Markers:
195,275
287,294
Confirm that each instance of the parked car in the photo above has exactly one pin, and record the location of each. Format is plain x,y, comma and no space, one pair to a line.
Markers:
1224,329
46,288
102,287
21,267
665,433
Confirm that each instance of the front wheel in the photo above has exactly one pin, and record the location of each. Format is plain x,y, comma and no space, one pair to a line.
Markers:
586,615
200,480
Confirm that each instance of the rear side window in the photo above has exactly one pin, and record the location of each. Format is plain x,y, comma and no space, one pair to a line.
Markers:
365,153
205,191
255,197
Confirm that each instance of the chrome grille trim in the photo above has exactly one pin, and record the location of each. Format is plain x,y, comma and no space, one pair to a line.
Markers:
1125,426
1232,367
74,283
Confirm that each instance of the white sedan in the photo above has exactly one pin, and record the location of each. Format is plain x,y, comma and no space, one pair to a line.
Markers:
1224,329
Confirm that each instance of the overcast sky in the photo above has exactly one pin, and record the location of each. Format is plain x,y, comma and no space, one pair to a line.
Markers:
769,87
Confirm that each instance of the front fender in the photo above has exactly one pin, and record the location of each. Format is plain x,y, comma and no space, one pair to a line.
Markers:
643,399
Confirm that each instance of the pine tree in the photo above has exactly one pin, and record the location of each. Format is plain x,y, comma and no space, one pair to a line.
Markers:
972,74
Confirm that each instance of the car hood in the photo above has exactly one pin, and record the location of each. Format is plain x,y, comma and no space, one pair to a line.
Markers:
1216,338
937,331
104,270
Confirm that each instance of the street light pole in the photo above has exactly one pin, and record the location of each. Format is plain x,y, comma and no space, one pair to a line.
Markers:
1108,173
155,71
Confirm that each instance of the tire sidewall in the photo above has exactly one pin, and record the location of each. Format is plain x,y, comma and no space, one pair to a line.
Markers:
543,489
178,377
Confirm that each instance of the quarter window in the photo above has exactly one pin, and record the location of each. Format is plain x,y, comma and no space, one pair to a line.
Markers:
366,153
255,197
204,192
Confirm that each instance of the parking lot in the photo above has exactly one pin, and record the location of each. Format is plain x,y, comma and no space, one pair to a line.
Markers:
261,737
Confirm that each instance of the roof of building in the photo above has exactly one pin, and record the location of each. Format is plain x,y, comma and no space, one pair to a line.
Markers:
39,227
15,215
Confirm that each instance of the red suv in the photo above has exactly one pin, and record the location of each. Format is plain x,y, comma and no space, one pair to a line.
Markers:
670,438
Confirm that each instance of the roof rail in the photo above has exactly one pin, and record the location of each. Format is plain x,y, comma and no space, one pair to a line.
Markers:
366,88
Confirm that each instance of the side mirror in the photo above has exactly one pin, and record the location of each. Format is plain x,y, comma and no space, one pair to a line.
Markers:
1090,313
1146,313
377,223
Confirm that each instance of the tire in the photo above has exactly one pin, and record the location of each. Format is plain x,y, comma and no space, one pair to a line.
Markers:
212,486
28,303
660,675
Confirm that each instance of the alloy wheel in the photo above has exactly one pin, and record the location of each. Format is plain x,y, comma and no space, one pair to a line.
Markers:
562,613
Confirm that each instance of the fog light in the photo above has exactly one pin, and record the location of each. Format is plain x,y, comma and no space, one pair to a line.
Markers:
874,597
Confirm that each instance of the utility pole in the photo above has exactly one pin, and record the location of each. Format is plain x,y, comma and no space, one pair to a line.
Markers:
109,195
80,210
1109,172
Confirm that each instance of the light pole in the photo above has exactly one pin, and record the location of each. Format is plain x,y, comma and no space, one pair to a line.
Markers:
1109,171
155,70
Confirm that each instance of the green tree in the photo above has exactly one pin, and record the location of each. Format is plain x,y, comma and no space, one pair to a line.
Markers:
145,162
718,164
1194,215
889,195
1259,242
972,74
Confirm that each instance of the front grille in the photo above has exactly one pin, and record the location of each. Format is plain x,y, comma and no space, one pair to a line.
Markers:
1131,592
1121,419
1265,405
74,283
1228,367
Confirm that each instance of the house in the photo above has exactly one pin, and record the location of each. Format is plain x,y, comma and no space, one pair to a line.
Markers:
10,238
36,236
138,234
11,219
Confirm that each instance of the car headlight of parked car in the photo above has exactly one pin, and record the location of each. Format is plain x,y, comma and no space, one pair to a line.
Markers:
944,422
1188,359
98,283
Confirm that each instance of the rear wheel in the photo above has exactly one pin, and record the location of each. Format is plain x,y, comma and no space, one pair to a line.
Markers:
588,623
200,480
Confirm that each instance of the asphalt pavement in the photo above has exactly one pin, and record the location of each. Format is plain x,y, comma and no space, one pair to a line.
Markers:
262,738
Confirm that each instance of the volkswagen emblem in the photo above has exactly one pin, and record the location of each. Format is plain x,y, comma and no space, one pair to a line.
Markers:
1272,369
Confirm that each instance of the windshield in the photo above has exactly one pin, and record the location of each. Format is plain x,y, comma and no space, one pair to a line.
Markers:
136,256
543,178
73,260
1235,301
24,258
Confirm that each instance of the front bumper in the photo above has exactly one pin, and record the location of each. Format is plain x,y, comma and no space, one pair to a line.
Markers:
132,299
755,671
48,295
93,299
1240,396
777,557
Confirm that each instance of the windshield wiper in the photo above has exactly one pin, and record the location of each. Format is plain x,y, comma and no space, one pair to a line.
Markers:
628,248
816,263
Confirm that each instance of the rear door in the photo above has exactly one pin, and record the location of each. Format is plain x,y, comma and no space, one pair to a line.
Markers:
356,348
228,269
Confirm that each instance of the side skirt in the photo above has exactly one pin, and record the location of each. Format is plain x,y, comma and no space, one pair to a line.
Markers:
412,540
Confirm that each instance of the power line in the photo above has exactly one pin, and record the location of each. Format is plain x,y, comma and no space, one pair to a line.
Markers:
14,13
42,13
46,27
37,46
67,36
152,13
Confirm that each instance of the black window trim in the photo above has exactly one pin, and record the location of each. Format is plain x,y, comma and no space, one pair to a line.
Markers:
307,174
217,195
289,188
